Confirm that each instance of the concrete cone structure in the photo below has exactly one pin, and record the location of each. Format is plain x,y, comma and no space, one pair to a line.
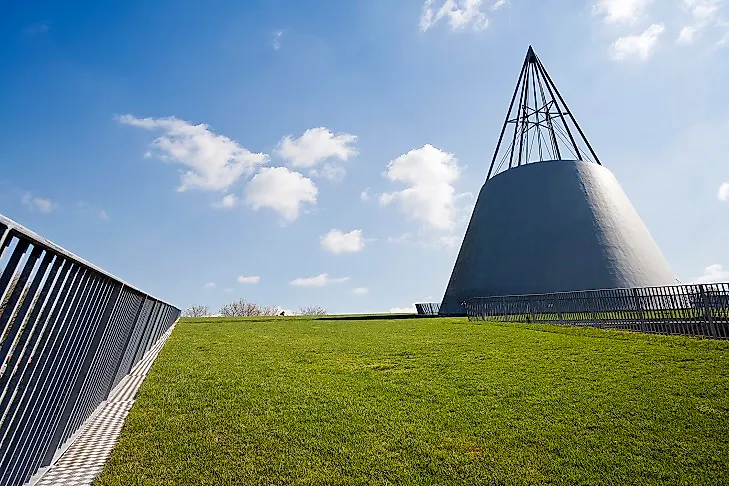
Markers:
555,219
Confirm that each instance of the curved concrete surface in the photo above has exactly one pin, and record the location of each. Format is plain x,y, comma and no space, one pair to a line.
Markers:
553,226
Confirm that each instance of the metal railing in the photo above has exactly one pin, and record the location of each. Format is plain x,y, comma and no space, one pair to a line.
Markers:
691,310
70,333
428,309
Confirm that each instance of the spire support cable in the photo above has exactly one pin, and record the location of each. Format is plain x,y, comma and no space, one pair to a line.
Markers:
541,109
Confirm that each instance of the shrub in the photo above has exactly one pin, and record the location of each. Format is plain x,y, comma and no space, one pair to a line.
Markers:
312,310
197,311
243,308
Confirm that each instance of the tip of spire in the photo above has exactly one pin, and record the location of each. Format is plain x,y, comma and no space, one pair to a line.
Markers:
531,56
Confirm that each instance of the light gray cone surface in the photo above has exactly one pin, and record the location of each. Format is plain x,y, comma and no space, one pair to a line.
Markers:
553,226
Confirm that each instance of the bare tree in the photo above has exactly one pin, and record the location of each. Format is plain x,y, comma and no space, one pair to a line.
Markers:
312,310
197,311
244,308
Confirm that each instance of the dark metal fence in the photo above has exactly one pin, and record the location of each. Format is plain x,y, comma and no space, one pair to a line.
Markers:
692,310
428,309
70,333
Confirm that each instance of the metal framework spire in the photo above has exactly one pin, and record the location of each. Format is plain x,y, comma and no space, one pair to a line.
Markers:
542,123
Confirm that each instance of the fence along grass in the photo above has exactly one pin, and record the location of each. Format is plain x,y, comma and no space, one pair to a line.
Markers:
69,332
692,310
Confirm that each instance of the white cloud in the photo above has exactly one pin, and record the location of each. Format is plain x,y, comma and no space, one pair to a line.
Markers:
213,162
209,285
713,274
430,196
229,201
40,204
335,241
640,46
704,14
686,36
723,193
333,172
404,310
249,280
360,290
318,281
276,42
620,11
460,13
725,38
282,190
365,195
317,145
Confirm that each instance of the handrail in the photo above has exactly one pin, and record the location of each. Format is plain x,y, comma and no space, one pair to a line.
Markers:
69,332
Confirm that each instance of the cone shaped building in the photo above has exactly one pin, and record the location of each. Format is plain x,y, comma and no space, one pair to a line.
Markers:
550,217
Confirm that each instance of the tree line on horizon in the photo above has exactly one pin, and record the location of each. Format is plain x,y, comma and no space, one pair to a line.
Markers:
245,308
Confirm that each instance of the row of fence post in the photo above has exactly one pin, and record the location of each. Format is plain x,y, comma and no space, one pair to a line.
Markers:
696,310
70,333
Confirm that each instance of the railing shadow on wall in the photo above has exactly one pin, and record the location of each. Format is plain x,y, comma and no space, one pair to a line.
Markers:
70,333
691,310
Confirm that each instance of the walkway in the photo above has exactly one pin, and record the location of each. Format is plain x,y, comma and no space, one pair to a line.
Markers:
84,459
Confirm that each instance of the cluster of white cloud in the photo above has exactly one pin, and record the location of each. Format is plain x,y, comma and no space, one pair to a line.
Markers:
281,189
316,145
617,11
637,46
254,279
429,196
276,42
695,16
46,206
458,13
319,149
723,193
336,241
216,163
713,274
704,15
320,280
40,204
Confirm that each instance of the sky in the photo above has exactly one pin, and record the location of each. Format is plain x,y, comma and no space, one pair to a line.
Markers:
328,153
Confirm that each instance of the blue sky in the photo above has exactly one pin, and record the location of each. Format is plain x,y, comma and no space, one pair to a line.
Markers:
327,153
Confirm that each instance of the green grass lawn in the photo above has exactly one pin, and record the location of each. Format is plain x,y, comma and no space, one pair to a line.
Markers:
425,401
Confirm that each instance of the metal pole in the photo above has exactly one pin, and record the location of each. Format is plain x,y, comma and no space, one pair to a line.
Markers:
506,122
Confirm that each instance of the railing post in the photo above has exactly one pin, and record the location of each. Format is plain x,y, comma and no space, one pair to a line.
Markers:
638,309
707,311
63,322
127,338
81,377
